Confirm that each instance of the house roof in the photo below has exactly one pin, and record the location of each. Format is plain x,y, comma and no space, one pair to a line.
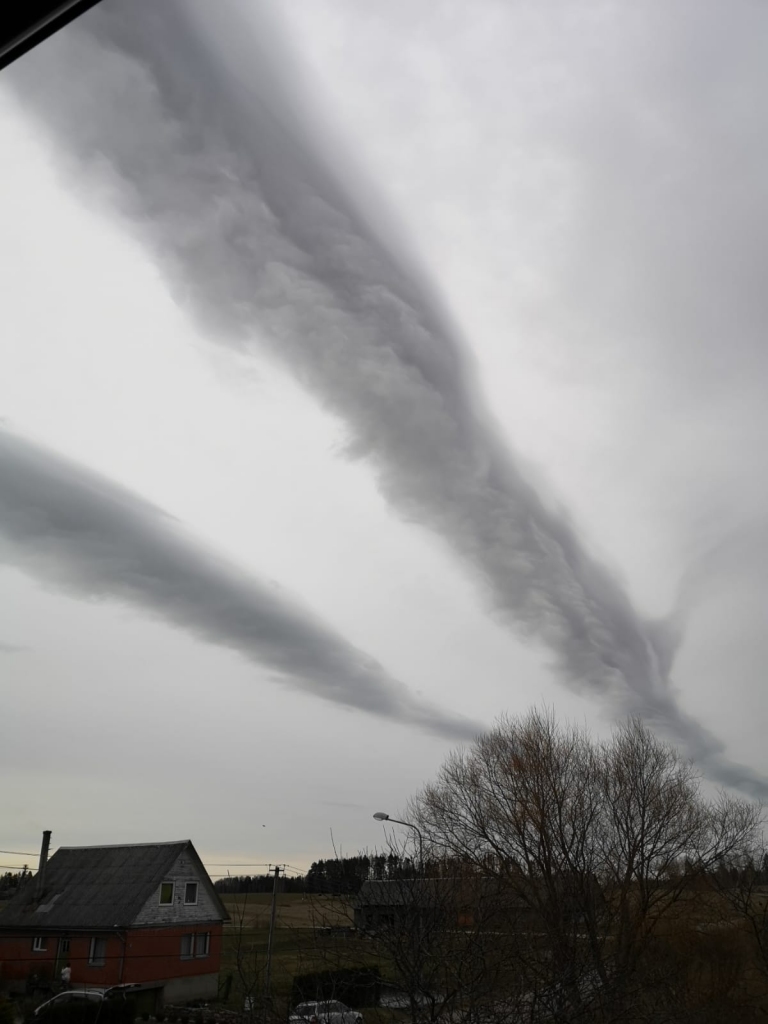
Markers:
98,887
427,892
430,892
480,890
395,893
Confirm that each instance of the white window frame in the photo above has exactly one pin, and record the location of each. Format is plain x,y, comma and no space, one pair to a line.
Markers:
190,955
202,939
93,960
160,900
64,946
39,944
191,903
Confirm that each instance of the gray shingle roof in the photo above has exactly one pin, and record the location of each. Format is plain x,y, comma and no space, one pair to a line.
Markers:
424,892
429,892
94,887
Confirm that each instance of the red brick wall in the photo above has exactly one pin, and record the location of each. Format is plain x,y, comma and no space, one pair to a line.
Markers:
155,953
148,954
18,961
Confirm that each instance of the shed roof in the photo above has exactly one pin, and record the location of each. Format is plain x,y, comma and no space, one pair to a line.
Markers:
97,887
433,892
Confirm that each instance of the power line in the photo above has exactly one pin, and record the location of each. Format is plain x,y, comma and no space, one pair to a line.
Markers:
212,864
270,865
288,867
211,874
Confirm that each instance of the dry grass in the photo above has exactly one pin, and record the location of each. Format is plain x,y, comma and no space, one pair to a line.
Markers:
302,941
294,910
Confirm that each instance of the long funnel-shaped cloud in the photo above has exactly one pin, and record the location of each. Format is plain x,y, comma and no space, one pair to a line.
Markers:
187,112
68,526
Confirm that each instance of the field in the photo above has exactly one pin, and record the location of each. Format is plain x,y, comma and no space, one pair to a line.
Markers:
310,935
294,910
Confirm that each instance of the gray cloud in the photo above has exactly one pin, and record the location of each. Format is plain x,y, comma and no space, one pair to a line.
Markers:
78,531
6,648
256,225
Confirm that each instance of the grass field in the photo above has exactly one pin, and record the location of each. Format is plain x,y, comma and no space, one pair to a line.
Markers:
301,943
294,910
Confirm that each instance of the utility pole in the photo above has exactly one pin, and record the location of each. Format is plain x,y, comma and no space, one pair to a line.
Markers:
268,972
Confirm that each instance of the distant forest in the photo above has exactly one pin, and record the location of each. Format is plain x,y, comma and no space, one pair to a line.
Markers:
10,881
339,876
344,876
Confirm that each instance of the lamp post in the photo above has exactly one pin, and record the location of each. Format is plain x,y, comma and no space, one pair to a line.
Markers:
382,816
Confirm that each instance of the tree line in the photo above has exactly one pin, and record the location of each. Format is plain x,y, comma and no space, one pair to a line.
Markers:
341,876
11,880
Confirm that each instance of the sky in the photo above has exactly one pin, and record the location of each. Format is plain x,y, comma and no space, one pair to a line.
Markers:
369,372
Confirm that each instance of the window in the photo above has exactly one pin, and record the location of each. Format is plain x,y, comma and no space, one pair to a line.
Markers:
64,947
195,945
190,892
97,954
166,894
39,944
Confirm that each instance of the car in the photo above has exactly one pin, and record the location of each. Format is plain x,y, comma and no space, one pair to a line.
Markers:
79,995
82,995
328,1012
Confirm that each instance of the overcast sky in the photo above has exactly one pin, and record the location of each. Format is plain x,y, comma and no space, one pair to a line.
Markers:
369,371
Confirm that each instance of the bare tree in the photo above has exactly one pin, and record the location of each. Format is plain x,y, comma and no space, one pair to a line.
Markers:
741,886
584,839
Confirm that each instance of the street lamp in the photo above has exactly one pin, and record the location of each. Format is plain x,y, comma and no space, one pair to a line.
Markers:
383,816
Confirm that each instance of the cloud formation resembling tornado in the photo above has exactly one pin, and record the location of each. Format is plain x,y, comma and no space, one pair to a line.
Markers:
72,528
212,162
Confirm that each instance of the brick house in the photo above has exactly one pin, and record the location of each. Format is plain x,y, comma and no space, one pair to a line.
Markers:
145,913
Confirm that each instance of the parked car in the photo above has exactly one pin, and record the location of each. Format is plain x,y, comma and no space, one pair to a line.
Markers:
329,1012
83,995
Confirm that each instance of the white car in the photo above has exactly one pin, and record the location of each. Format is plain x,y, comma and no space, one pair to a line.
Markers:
329,1012
81,995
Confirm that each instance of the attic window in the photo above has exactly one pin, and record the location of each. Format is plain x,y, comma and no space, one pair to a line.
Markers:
190,892
166,894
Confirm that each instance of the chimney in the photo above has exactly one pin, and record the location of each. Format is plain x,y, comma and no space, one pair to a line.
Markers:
40,880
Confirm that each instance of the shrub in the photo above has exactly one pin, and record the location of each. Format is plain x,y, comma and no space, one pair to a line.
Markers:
7,1011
